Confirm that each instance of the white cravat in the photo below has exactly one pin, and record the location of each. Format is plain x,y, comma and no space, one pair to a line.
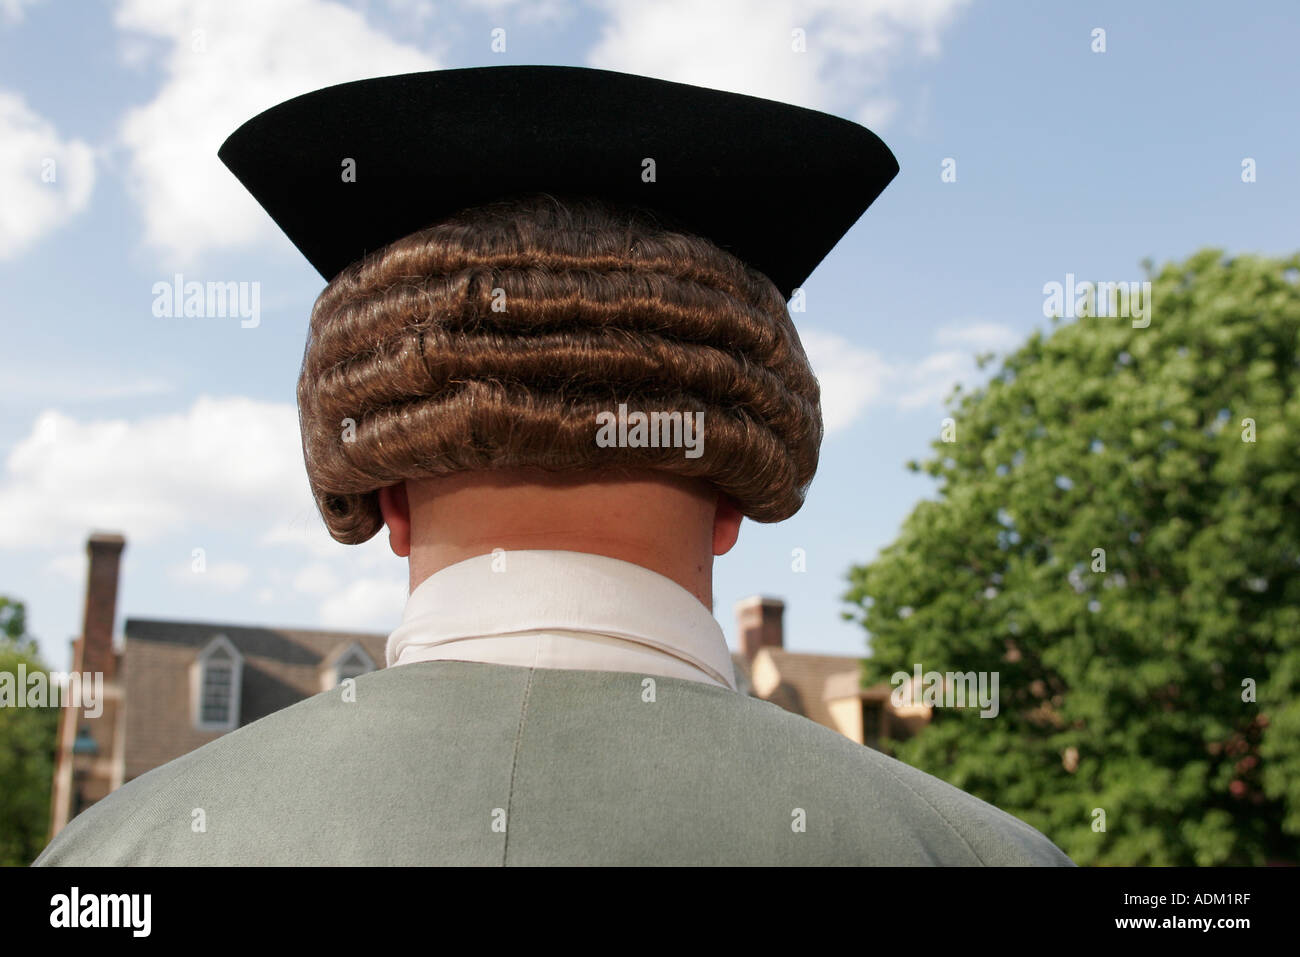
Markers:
561,609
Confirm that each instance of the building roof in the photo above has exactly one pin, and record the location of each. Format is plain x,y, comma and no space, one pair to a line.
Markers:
802,679
807,675
281,666
290,645
848,684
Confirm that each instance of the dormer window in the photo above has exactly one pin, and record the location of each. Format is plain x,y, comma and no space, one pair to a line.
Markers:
216,686
353,663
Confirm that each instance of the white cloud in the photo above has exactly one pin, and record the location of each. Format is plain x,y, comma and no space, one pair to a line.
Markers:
236,461
854,379
71,566
28,381
222,460
47,179
928,382
304,530
851,378
316,579
223,63
978,336
224,464
369,604
521,11
11,11
745,46
224,576
414,12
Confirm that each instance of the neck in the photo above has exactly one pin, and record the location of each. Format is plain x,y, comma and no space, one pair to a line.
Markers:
658,522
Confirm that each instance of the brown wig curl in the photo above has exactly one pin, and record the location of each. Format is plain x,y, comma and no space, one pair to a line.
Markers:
410,371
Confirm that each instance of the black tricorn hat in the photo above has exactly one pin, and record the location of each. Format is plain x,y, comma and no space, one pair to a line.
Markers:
774,184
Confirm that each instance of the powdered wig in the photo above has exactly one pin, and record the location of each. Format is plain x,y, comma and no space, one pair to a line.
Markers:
410,372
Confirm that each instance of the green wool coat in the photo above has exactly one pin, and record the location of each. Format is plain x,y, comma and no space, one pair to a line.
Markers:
459,763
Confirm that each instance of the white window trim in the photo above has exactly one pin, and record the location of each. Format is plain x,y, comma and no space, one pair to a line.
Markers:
236,684
331,677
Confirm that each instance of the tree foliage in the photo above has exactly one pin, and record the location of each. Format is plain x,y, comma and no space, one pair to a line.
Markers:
1125,674
27,739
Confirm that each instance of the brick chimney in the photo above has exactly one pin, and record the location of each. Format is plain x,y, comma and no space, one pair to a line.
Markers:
95,650
758,621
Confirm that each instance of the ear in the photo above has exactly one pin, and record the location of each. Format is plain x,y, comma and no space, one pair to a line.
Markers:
726,525
396,509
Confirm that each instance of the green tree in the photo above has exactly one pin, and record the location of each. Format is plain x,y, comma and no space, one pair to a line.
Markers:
27,740
1116,533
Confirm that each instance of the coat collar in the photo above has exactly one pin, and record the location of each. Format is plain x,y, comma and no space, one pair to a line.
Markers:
561,609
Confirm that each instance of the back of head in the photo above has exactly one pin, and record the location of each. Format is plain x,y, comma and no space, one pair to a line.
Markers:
496,338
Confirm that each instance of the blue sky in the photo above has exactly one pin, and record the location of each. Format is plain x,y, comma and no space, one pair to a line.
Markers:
181,433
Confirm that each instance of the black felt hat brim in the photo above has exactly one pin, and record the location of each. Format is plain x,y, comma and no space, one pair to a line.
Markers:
776,185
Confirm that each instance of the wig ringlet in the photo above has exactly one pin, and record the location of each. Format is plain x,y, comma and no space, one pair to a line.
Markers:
409,371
